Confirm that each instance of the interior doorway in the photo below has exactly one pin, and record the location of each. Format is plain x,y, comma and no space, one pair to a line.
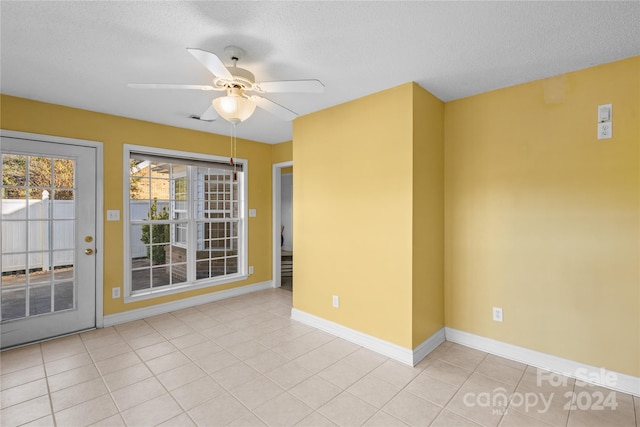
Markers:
282,202
286,238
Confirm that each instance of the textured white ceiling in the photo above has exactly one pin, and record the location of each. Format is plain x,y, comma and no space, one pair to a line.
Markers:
83,53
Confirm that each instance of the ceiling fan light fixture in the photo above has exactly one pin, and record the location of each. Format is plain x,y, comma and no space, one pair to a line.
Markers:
237,106
234,107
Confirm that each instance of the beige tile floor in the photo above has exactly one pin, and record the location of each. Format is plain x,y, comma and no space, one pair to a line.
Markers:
243,362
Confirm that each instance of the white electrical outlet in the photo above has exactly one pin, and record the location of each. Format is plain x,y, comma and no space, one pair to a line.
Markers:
497,314
605,130
115,292
336,301
251,269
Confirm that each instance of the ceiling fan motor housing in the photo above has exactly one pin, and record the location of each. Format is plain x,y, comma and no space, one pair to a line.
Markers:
241,78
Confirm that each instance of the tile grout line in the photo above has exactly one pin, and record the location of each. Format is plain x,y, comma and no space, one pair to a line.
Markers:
524,371
345,390
444,407
285,391
213,379
46,378
403,389
95,365
154,375
462,385
227,390
111,392
566,422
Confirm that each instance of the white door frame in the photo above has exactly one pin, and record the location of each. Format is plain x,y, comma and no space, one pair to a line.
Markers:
276,204
99,237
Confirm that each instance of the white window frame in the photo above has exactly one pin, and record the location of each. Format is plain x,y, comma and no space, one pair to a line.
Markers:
242,273
173,209
202,196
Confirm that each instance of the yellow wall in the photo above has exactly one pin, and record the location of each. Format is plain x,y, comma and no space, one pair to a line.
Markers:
543,219
356,204
36,117
282,152
352,214
428,215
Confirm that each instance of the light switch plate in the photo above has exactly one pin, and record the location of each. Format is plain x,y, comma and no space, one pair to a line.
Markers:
113,215
252,213
604,113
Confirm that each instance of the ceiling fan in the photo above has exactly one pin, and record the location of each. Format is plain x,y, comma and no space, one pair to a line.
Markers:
241,88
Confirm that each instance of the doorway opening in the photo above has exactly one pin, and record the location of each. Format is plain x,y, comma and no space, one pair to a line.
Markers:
283,225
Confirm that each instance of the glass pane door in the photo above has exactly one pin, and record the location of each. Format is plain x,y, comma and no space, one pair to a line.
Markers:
43,191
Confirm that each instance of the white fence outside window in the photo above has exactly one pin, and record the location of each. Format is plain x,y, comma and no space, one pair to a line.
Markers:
50,227
14,223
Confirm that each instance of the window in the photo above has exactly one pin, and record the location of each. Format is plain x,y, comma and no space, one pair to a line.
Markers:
186,221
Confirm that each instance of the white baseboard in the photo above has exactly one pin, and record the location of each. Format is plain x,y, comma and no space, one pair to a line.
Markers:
394,351
580,371
428,345
155,310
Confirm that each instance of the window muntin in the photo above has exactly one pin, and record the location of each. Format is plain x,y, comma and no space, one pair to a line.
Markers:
186,222
216,222
38,226
179,209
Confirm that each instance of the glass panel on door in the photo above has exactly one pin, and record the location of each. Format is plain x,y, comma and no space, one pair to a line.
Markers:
38,235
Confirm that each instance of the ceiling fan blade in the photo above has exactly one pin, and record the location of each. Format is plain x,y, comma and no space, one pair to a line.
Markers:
209,115
301,86
169,86
273,108
212,62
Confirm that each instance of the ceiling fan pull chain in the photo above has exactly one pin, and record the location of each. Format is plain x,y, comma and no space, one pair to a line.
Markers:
234,150
231,147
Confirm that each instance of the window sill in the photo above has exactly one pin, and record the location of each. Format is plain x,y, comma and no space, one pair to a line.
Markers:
160,292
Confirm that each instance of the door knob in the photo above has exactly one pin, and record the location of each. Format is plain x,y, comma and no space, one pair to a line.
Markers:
88,251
